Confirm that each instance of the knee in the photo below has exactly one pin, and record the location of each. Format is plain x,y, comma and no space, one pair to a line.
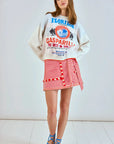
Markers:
52,112
64,107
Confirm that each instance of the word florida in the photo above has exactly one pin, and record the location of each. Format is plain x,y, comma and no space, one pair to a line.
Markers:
61,21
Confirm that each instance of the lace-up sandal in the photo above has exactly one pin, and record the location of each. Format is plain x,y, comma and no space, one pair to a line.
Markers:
58,141
51,138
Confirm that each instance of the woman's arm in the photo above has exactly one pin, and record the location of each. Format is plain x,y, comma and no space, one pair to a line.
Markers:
83,40
35,41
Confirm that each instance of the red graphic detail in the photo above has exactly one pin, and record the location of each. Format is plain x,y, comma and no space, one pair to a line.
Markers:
62,27
59,42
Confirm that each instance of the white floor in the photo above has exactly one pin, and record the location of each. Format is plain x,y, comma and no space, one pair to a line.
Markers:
36,132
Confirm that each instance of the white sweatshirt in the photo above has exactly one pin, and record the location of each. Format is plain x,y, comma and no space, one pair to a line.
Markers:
55,38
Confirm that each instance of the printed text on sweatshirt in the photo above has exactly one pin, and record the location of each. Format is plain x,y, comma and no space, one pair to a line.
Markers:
55,38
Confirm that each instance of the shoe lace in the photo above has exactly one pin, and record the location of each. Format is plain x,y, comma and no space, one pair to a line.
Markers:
58,141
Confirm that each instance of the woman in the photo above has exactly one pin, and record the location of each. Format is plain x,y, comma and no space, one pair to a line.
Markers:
60,41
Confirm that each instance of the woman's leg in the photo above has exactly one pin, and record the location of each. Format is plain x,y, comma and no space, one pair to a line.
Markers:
64,110
51,100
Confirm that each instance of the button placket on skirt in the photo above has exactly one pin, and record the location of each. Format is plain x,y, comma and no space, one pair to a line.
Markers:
70,70
62,75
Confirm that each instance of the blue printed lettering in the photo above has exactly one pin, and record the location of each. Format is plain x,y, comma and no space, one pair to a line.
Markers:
60,21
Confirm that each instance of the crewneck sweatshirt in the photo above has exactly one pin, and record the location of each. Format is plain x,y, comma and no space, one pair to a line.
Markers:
55,38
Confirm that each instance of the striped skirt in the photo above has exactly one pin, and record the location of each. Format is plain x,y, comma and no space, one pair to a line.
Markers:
60,74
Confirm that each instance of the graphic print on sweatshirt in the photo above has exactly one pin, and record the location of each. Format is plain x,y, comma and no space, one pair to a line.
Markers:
60,37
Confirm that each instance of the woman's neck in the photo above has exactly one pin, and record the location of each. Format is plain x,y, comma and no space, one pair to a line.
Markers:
63,12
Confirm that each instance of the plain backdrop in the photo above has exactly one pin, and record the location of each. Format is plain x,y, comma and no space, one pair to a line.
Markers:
21,72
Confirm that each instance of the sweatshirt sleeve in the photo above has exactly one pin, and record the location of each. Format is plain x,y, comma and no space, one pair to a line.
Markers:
83,40
35,40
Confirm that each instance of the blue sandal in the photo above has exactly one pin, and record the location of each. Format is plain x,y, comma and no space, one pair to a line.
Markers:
58,141
51,138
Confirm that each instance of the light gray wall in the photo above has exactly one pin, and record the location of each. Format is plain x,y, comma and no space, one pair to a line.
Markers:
21,72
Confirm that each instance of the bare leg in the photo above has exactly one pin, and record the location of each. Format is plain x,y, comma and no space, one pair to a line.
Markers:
64,110
51,100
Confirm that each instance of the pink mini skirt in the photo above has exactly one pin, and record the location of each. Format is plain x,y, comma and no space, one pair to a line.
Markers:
60,74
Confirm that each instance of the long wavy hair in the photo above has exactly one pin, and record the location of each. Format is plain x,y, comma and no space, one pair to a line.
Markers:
70,12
